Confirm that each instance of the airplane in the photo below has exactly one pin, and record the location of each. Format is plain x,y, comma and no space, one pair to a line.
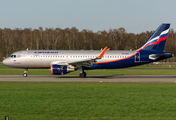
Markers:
61,62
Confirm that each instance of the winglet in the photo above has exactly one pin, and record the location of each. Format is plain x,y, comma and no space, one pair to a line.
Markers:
103,52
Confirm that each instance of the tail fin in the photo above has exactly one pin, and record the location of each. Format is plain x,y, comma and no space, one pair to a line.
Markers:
157,41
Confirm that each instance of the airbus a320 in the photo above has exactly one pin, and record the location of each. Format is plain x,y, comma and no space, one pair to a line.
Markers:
64,61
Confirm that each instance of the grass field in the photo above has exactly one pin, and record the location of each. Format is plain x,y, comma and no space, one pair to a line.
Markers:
77,101
151,71
139,70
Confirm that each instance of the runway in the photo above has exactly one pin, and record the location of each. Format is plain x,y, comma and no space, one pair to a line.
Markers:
91,78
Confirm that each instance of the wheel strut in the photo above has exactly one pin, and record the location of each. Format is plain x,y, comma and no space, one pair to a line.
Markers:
82,73
25,72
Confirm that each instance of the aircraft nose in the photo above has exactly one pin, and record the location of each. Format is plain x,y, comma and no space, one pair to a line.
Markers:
5,62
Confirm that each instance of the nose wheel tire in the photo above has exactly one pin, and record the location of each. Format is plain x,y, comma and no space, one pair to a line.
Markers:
25,72
25,75
82,75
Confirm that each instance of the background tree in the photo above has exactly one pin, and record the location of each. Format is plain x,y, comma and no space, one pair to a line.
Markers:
12,40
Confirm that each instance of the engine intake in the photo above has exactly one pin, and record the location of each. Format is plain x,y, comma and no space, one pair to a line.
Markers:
61,69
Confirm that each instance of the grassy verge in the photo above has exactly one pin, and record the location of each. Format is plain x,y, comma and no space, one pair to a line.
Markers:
53,101
139,70
159,71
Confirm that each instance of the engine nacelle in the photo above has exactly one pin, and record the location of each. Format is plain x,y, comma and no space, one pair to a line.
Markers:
61,69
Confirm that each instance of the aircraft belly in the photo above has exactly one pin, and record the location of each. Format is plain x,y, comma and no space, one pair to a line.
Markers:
40,63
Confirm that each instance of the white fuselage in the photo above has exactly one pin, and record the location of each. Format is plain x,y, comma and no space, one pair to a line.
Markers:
44,58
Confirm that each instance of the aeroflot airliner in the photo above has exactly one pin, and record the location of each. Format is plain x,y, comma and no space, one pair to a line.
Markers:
64,61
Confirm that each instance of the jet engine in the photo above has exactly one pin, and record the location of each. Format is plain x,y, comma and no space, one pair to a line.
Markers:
61,69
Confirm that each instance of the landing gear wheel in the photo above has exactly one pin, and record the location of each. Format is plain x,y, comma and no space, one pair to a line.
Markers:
25,75
82,75
25,72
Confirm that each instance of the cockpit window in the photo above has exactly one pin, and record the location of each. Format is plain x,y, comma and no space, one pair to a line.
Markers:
12,56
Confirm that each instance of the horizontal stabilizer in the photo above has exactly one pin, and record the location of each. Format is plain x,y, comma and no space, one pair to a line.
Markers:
157,56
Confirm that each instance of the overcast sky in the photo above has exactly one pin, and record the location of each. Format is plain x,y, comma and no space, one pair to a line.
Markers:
135,16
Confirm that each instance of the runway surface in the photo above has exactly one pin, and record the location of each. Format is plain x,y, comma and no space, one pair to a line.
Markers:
91,78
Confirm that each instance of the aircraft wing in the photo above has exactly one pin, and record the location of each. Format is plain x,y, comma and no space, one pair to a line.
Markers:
89,61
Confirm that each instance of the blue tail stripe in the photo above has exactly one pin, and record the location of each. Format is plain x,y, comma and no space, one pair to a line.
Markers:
160,29
164,35
152,41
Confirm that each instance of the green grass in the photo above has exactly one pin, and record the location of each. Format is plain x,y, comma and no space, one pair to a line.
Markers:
152,69
15,71
77,101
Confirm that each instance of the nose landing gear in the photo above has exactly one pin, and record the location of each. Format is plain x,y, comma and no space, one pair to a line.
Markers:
25,72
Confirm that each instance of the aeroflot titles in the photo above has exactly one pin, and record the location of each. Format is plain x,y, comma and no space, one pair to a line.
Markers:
57,53
46,52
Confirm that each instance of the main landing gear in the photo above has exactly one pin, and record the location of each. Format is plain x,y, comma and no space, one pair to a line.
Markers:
82,74
25,72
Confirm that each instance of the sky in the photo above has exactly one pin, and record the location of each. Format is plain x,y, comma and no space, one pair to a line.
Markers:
135,16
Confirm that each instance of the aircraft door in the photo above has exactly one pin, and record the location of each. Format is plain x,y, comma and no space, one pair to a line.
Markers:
24,59
137,57
24,54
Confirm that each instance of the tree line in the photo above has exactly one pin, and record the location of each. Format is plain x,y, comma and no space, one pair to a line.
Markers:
12,40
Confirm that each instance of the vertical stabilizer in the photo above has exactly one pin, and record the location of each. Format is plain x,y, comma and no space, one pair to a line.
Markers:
157,41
